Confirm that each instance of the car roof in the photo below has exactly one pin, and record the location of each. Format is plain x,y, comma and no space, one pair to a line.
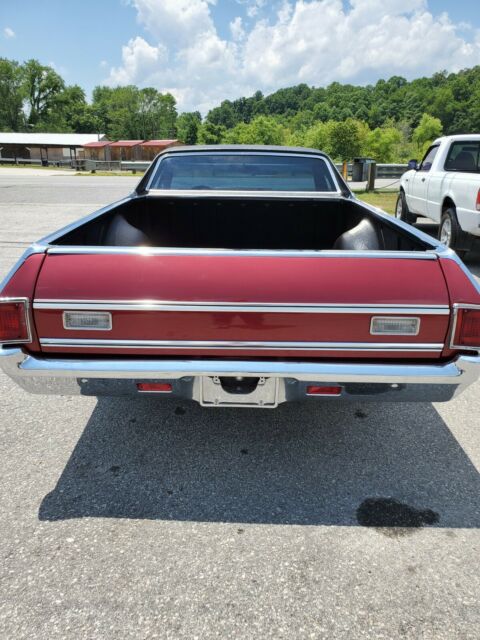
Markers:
242,148
464,137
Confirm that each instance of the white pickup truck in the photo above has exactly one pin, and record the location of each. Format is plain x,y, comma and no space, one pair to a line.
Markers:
445,187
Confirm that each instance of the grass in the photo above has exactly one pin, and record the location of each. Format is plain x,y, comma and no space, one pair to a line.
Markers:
384,200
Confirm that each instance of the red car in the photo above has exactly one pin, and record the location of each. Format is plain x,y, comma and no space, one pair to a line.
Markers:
246,277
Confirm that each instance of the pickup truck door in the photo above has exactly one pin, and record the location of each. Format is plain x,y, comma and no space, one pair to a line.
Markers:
418,192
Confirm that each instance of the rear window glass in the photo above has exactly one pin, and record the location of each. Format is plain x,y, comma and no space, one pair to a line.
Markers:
243,172
464,156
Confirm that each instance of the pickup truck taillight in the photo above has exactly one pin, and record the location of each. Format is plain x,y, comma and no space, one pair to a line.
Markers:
478,200
14,325
466,330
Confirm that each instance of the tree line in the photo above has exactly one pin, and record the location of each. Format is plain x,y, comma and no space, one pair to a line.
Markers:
391,121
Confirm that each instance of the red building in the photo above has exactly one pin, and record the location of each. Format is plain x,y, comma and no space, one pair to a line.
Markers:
150,148
128,150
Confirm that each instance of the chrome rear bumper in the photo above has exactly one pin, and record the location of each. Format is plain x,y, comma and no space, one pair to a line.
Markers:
378,382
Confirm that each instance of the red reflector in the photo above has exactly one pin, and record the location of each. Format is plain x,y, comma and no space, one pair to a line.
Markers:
468,334
316,390
13,322
154,387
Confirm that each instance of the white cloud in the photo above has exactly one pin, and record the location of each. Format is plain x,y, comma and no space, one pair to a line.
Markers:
9,33
252,6
138,60
311,41
236,29
177,22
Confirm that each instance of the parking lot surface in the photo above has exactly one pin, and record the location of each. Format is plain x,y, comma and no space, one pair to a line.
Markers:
160,519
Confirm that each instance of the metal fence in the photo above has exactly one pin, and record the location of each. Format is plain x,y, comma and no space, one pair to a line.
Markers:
81,164
38,162
384,171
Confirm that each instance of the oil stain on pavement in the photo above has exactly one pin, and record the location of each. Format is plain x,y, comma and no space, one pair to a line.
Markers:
393,518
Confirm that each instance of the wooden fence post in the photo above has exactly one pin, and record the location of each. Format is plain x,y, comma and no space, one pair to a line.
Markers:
372,174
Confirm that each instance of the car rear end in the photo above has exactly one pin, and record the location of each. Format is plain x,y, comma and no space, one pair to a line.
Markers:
242,329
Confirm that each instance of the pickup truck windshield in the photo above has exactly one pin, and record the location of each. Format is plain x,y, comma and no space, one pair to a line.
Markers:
243,172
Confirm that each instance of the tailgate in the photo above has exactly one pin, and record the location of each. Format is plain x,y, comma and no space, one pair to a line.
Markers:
240,305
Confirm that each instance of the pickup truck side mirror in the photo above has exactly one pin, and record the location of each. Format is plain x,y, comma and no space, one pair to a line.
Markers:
413,164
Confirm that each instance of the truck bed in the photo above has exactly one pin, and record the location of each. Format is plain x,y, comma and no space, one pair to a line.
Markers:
242,223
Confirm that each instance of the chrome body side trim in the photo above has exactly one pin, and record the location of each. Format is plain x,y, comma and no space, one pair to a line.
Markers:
253,253
228,345
214,194
35,248
236,307
456,309
26,302
360,381
448,254
52,237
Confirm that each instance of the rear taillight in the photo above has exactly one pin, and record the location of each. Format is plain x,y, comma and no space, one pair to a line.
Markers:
154,387
466,330
322,390
14,325
478,201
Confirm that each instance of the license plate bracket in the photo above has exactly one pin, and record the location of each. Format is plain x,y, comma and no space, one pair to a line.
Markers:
214,394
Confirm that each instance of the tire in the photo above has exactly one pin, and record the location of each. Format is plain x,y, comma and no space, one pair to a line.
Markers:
401,210
451,234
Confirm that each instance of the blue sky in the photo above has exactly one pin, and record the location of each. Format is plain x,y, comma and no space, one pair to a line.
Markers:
205,50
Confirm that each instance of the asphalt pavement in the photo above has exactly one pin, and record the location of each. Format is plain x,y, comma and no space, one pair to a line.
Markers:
159,519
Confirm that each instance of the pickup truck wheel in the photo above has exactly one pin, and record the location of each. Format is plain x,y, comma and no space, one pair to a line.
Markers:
401,210
450,232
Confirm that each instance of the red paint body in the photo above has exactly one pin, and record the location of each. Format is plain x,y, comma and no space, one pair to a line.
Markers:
242,279
22,285
238,279
329,280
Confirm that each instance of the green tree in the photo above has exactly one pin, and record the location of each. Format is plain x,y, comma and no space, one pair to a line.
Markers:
129,112
347,139
11,96
319,136
188,124
155,115
116,108
322,112
70,112
42,86
383,142
428,129
375,119
262,130
209,133
223,116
